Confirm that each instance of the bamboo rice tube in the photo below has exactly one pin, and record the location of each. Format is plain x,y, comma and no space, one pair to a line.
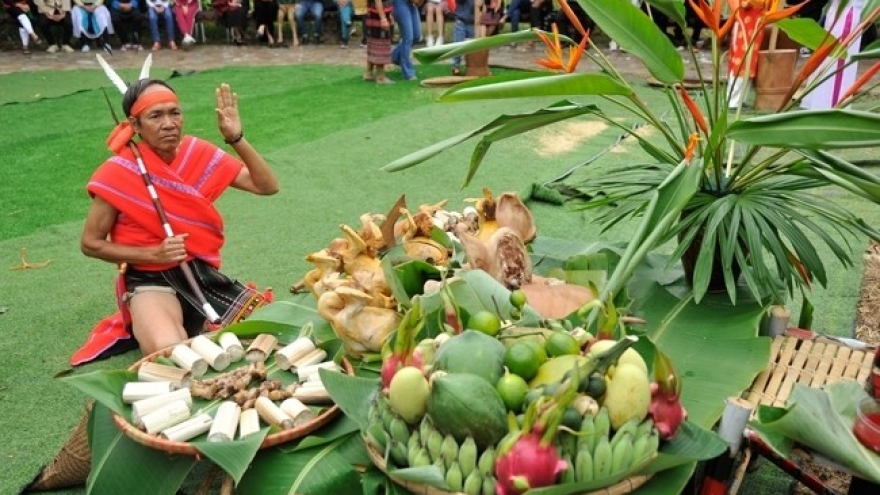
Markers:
313,357
225,422
189,429
312,395
155,372
189,360
314,383
212,353
310,371
289,354
260,348
143,407
166,417
248,423
232,346
135,391
273,414
299,412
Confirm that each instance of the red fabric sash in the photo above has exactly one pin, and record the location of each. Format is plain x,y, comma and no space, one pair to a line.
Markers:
187,189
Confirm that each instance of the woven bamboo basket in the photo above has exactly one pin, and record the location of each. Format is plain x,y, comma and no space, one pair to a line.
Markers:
811,362
187,448
621,488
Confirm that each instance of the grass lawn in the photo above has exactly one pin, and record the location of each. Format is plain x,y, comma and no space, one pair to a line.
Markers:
326,134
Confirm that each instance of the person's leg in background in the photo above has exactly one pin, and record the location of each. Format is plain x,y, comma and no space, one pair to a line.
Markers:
346,12
408,21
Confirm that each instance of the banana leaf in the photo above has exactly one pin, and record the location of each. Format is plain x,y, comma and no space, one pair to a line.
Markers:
536,84
672,9
121,465
449,50
285,319
638,35
807,32
821,419
524,122
233,457
105,386
810,129
328,468
476,290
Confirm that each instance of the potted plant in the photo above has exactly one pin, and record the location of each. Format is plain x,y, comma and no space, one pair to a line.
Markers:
753,206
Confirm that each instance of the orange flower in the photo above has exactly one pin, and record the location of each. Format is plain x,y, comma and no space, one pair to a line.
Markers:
553,52
711,17
772,12
864,78
691,146
694,109
573,18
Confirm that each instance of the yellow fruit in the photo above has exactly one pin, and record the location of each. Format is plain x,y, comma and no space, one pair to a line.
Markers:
408,394
555,368
629,356
561,344
628,395
522,359
486,322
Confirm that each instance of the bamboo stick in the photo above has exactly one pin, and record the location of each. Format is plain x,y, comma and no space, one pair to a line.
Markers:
212,353
310,371
188,429
297,411
143,407
273,414
315,356
225,422
232,346
248,422
316,394
260,348
296,350
166,417
189,359
135,391
155,372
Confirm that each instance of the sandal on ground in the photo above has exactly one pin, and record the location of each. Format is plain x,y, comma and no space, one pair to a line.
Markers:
172,45
368,77
384,80
456,71
156,46
25,51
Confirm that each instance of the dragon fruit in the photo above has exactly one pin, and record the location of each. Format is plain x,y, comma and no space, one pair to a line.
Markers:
666,409
529,463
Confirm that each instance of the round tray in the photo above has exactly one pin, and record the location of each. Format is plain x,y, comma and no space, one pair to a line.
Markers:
158,443
620,488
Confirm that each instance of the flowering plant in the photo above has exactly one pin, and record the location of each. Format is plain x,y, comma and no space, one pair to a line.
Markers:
749,202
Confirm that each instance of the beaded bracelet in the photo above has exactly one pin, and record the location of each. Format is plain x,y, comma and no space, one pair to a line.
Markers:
235,139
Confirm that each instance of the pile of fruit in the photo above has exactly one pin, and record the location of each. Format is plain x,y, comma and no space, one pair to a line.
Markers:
500,409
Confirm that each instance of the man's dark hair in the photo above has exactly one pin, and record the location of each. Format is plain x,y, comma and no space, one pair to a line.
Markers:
136,90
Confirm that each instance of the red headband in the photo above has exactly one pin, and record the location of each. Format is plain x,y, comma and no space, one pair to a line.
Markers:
123,132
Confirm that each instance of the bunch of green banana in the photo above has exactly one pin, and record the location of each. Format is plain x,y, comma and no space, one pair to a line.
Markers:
465,468
602,453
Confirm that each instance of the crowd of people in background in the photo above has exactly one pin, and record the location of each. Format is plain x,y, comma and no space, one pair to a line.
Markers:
388,29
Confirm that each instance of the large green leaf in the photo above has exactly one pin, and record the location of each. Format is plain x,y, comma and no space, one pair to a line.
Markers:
284,319
821,419
811,129
234,457
476,290
638,35
524,122
105,386
805,31
329,468
120,465
449,50
531,85
843,173
352,394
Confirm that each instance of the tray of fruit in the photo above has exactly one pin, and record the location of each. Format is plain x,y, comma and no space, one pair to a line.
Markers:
222,389
500,409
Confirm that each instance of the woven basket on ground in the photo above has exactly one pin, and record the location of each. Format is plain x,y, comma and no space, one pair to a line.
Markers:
72,464
621,488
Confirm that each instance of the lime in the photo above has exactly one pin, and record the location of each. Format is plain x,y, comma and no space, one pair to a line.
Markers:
539,348
486,322
522,359
512,389
561,344
518,299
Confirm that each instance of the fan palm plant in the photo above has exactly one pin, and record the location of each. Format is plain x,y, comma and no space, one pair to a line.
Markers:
752,206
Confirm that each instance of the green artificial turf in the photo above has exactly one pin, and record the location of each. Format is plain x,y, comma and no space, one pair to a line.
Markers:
326,134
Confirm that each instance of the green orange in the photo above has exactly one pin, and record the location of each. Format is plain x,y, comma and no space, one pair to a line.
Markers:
522,359
512,389
486,322
561,343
